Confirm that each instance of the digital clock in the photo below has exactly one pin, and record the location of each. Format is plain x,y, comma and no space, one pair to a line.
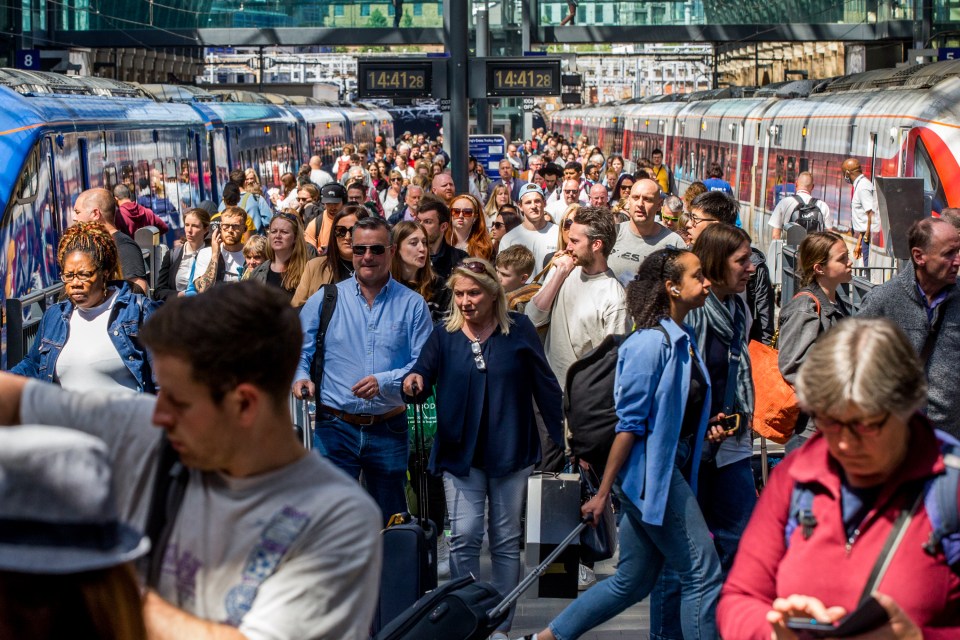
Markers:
523,77
393,79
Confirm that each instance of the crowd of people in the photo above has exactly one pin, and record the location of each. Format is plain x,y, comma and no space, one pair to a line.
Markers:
376,283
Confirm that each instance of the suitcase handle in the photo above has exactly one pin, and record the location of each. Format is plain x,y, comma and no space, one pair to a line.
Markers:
512,597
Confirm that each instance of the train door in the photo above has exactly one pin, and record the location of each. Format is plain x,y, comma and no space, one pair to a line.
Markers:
199,172
219,160
83,148
902,144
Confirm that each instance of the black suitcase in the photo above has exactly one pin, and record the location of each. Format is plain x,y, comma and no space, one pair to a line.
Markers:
465,609
409,550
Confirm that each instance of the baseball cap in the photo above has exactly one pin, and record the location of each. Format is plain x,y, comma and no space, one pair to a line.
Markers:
57,498
333,193
529,188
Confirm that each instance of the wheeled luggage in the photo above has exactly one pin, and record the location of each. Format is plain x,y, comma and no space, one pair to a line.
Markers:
409,548
302,423
465,609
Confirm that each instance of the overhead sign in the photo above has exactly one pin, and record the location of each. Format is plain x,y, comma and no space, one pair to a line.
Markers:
489,151
514,77
948,53
28,59
396,78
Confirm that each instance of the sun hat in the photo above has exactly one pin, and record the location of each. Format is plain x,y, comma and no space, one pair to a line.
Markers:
58,513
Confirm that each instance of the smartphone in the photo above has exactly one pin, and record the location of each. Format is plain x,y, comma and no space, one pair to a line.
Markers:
214,227
730,424
867,617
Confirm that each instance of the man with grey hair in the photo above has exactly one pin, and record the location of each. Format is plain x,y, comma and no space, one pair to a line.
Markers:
951,215
671,211
130,215
598,195
925,303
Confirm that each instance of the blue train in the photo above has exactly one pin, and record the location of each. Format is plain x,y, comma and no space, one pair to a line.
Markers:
61,134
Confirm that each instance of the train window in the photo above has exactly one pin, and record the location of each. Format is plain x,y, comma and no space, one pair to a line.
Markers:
804,165
791,169
923,167
28,184
127,175
109,177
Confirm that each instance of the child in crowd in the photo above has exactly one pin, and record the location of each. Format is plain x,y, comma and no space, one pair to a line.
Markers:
254,252
514,267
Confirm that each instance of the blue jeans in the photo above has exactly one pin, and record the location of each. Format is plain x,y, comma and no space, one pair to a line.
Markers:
726,496
466,499
683,541
379,451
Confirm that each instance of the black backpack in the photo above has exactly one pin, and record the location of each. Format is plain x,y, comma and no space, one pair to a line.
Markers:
588,402
807,215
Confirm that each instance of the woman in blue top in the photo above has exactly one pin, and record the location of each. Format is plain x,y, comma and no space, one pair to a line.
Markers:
488,367
662,396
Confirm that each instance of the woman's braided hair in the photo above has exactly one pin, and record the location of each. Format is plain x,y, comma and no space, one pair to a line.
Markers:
92,239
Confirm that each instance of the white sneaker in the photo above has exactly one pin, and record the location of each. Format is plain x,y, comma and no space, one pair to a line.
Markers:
499,635
586,578
443,557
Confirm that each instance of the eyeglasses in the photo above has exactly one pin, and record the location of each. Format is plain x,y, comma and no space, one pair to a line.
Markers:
461,213
497,225
232,227
478,354
341,232
82,276
568,223
831,426
475,267
375,249
695,219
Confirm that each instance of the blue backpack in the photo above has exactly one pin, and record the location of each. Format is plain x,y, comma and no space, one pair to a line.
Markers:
939,499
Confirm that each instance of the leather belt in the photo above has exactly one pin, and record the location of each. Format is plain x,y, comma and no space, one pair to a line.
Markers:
362,419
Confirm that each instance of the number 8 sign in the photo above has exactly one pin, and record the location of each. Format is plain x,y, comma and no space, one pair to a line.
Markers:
28,59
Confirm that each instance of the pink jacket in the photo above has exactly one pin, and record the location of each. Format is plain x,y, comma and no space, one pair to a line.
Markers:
821,566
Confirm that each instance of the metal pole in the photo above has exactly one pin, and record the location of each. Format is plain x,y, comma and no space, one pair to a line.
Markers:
529,10
483,50
260,70
456,130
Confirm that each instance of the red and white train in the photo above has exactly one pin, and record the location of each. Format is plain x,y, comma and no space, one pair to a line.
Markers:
897,122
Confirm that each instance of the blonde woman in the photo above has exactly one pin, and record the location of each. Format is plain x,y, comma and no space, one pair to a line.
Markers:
286,254
488,367
499,198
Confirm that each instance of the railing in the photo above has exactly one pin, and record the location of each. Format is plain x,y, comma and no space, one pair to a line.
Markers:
852,293
23,320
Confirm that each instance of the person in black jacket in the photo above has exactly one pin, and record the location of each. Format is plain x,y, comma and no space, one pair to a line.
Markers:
179,263
760,299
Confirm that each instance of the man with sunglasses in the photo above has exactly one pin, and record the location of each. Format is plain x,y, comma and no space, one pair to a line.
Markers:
535,232
641,234
373,339
569,194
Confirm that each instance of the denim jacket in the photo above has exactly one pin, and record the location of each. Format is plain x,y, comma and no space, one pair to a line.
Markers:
129,312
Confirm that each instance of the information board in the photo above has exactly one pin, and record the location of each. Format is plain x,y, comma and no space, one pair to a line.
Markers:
489,151
394,79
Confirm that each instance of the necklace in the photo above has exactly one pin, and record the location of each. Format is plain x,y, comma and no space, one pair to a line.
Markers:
480,335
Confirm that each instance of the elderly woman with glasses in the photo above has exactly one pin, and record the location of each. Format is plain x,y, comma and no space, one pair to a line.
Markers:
824,520
467,231
90,340
488,367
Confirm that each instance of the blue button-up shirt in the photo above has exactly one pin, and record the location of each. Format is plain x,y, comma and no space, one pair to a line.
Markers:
383,340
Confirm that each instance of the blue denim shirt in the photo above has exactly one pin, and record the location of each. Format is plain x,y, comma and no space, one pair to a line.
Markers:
652,383
383,340
129,312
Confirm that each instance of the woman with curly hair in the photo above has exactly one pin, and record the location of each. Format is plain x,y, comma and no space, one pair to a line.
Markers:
90,340
411,266
662,395
467,231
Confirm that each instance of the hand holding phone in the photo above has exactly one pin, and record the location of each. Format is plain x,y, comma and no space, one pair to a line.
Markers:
867,617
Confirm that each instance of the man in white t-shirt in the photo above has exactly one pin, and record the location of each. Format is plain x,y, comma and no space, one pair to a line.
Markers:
535,232
318,176
864,216
226,242
581,298
641,235
269,541
785,209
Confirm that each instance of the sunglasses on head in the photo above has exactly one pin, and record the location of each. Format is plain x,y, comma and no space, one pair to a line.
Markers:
375,249
475,267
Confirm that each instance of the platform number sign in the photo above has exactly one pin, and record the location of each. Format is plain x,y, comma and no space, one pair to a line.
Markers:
28,59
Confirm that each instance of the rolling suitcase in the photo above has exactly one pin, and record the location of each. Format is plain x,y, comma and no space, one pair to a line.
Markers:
302,423
465,609
409,548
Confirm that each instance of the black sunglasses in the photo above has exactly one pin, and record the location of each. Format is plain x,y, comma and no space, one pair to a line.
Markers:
568,223
497,225
375,249
341,231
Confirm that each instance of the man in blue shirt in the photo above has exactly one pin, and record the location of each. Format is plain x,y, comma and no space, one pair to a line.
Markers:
715,181
375,335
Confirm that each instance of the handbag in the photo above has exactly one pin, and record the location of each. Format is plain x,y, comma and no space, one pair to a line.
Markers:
597,543
775,410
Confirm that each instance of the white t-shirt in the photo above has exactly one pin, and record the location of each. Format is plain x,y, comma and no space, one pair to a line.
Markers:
542,243
320,178
586,310
864,200
631,249
290,554
557,208
234,263
89,360
789,204
187,265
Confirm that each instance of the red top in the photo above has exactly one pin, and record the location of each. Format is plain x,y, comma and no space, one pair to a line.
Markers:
821,566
